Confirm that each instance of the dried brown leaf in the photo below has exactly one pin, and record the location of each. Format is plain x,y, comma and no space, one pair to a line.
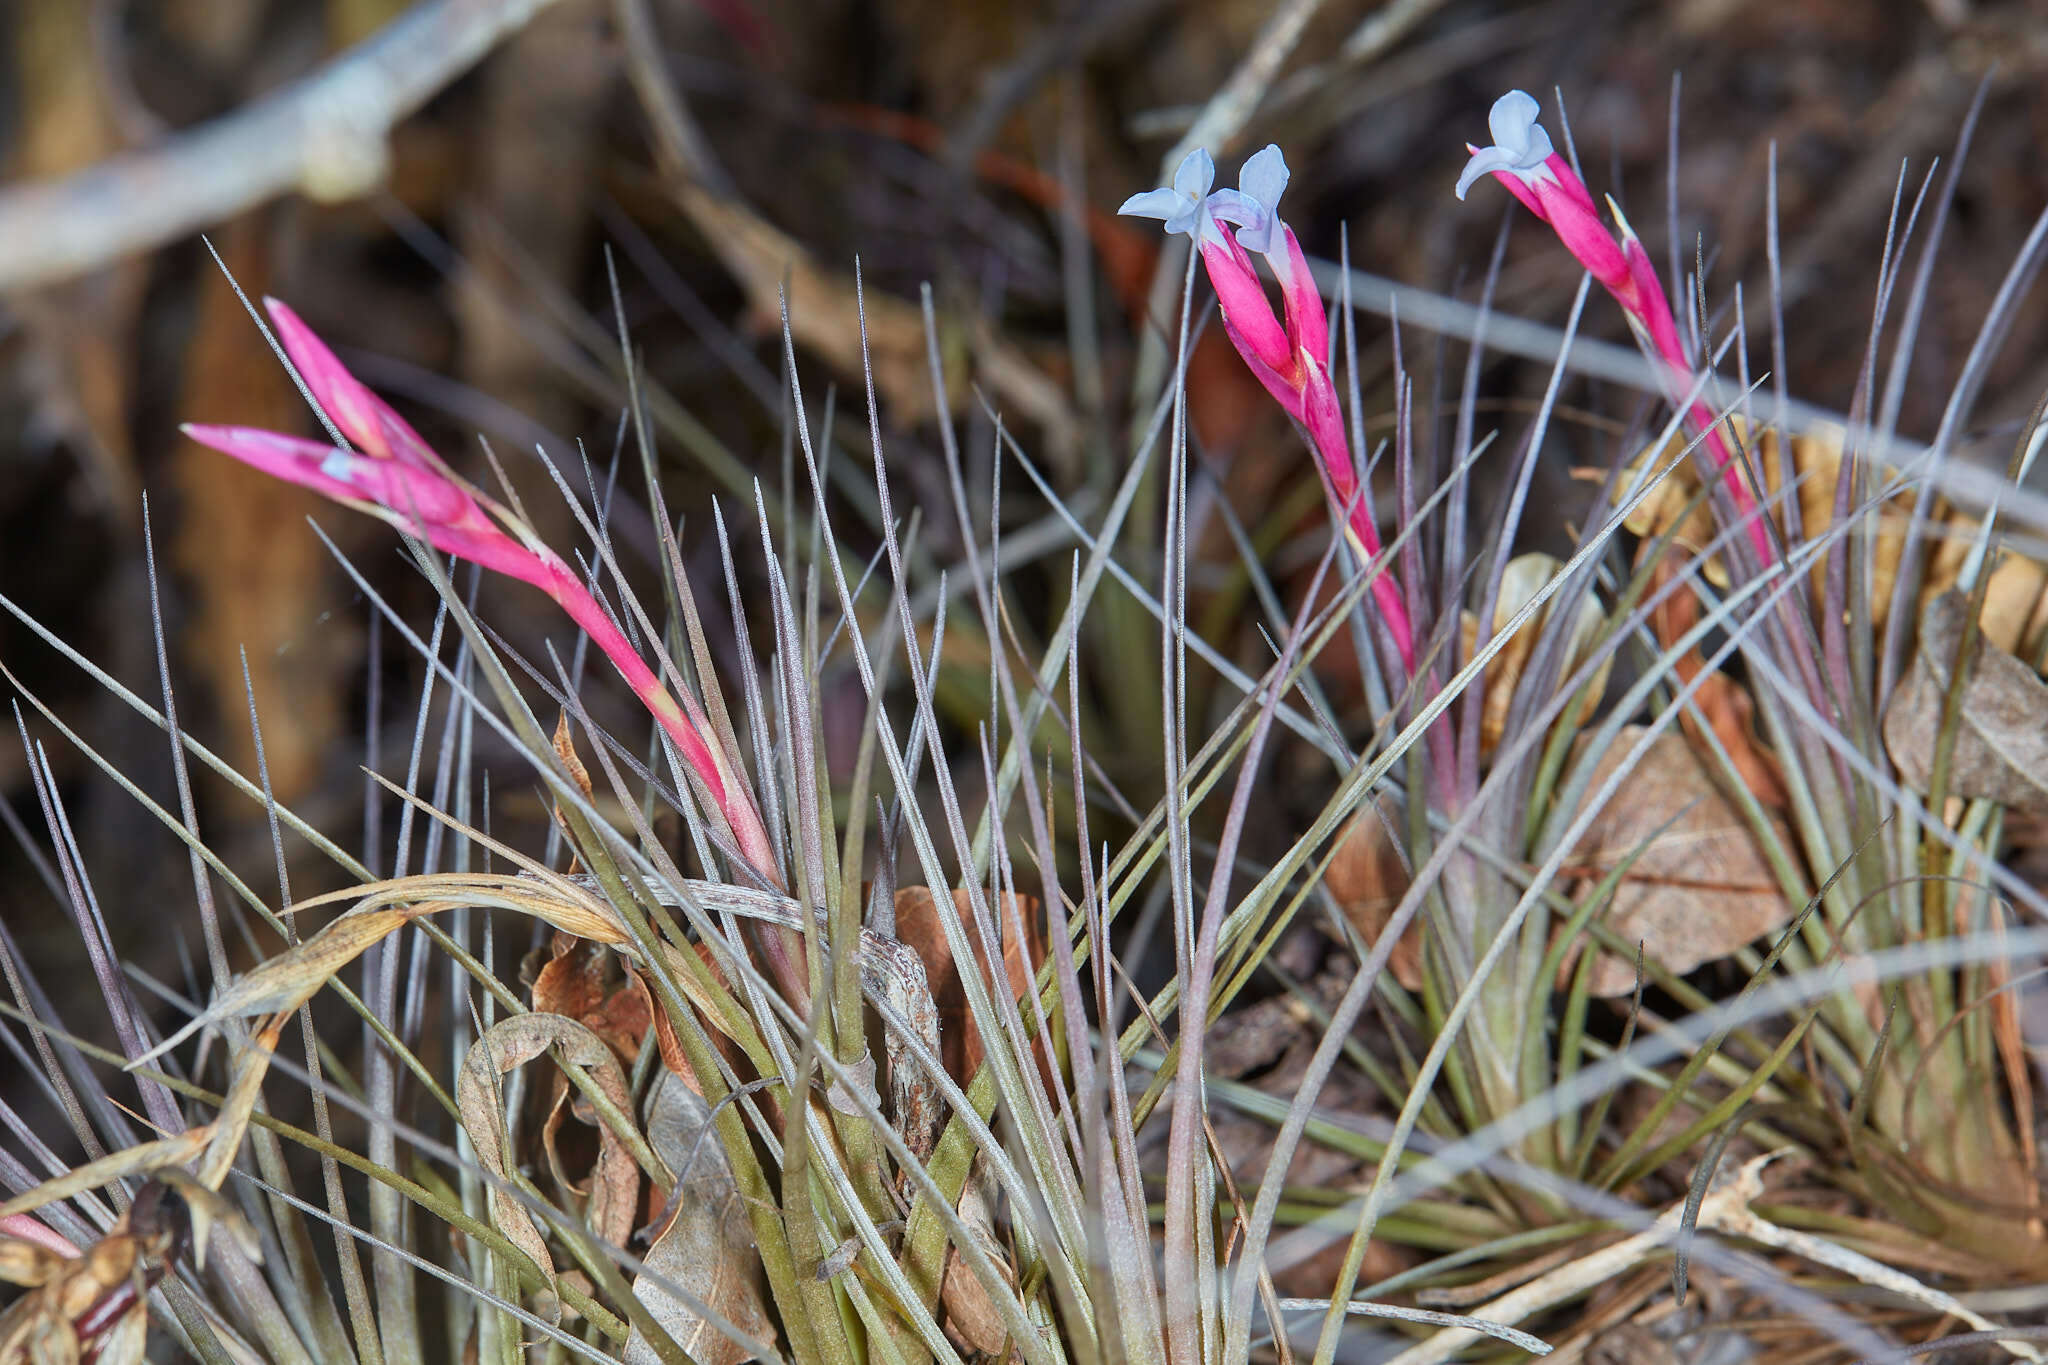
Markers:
565,749
1368,878
918,926
586,982
1700,888
2001,740
616,1184
706,1243
1720,705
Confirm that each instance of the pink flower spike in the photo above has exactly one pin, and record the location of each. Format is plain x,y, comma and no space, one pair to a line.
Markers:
423,502
1324,419
396,476
1283,390
1242,297
1568,208
1325,422
365,419
1308,326
290,458
1522,159
1646,301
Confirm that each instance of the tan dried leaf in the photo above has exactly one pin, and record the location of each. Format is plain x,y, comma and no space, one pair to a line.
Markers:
616,1184
1368,878
29,1264
2017,587
1700,888
142,1159
972,1320
2001,741
565,749
706,1245
1524,577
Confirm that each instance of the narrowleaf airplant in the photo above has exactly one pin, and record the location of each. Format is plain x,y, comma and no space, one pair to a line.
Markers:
1709,651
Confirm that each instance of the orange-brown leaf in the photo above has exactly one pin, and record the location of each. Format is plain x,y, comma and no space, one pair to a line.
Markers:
584,981
919,926
1368,879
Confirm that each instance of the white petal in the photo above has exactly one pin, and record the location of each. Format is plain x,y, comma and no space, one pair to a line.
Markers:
1196,174
1264,178
1516,131
1235,206
1160,203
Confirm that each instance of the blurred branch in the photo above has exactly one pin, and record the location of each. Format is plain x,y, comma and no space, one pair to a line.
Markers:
324,136
1063,45
679,144
1228,110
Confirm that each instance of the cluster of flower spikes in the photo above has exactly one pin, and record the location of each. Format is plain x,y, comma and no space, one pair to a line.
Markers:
1524,161
380,465
1291,357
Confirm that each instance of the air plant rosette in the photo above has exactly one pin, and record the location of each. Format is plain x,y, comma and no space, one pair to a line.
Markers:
1876,736
1786,823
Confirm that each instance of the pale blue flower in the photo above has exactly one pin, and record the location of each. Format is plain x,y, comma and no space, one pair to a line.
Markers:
1189,206
1520,144
1255,204
1185,206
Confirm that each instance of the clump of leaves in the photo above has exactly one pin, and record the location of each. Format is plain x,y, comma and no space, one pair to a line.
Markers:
1831,708
853,1070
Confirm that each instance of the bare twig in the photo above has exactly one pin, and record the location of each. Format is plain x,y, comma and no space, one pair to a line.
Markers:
1726,1211
324,135
1231,107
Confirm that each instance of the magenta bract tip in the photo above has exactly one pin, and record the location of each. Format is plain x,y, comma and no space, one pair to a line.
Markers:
1245,310
366,420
